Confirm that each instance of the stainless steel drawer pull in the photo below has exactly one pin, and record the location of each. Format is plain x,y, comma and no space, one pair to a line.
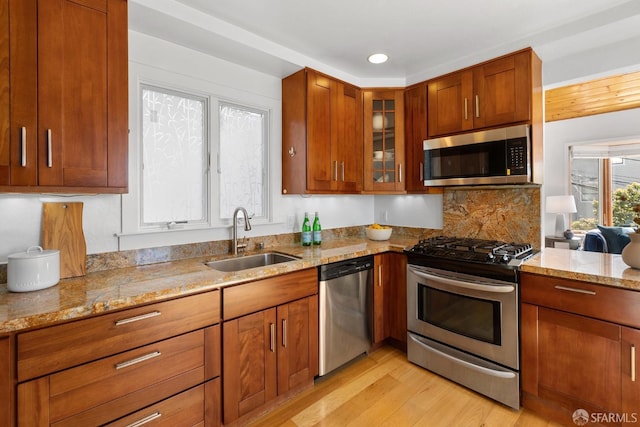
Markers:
284,333
580,291
145,420
23,140
633,363
49,148
272,331
138,360
138,318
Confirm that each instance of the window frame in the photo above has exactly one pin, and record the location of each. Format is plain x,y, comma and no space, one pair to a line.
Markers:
131,235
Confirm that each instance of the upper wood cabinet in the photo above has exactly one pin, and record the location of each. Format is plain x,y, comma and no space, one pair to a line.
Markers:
68,96
415,132
495,93
384,159
321,134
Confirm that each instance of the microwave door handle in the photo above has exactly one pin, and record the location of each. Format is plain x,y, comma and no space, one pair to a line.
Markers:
503,289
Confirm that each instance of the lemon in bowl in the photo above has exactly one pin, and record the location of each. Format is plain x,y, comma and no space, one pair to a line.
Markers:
378,232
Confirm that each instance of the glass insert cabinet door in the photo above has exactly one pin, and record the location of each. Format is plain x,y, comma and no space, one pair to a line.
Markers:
384,140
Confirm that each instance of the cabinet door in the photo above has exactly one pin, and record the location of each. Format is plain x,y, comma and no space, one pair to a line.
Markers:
347,138
380,332
297,343
23,99
415,119
450,104
583,371
76,67
396,297
384,141
320,168
4,93
630,370
248,363
6,382
502,91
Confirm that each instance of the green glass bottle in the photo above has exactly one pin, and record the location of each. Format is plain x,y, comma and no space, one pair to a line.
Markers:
306,231
317,231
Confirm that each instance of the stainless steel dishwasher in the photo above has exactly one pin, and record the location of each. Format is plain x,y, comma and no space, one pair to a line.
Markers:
345,309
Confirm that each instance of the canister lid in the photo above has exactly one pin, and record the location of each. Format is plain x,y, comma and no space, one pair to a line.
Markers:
34,252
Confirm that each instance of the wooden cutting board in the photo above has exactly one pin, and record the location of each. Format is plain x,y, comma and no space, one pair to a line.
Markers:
62,230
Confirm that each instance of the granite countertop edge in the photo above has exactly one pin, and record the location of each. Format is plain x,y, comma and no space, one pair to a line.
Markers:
594,267
109,290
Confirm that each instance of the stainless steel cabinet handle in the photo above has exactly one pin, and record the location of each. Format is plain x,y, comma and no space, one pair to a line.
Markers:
421,172
284,333
138,318
633,363
379,275
335,170
145,420
23,140
138,360
342,173
580,291
466,109
49,152
477,106
400,172
272,332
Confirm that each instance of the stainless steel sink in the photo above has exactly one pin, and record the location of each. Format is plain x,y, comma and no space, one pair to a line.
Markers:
249,261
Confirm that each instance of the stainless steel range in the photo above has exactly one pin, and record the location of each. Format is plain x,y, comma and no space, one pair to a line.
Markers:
462,307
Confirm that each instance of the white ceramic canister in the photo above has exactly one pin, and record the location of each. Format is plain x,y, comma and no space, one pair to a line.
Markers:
33,270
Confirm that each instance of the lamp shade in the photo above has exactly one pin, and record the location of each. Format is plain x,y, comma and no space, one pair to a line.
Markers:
561,204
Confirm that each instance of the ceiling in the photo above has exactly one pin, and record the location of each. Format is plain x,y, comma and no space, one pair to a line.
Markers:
423,38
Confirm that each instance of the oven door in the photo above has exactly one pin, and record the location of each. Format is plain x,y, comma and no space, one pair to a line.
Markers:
470,313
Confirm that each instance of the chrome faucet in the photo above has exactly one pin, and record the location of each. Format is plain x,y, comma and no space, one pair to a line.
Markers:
247,227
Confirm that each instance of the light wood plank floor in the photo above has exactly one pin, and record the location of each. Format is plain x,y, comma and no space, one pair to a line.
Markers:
384,389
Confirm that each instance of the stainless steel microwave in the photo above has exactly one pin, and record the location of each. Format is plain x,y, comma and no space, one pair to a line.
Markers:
496,156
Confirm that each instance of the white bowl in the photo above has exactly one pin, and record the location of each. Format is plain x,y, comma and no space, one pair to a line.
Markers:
378,233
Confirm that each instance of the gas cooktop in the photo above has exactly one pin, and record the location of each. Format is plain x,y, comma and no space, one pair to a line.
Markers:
491,258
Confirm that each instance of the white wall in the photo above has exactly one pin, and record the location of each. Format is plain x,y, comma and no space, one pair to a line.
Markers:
21,215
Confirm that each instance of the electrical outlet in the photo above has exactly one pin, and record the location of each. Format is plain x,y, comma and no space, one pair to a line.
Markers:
384,216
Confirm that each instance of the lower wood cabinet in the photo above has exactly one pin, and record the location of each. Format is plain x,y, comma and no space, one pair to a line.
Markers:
576,358
390,299
6,382
155,381
272,351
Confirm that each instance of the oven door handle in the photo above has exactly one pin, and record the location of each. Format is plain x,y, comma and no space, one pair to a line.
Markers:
503,289
492,372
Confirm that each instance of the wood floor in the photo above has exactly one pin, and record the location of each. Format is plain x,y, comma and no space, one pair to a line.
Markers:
384,389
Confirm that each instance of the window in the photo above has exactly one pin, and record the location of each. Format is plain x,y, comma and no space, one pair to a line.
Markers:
605,180
181,133
243,160
174,157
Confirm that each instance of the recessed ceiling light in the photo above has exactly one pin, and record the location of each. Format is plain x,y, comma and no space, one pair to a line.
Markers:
378,58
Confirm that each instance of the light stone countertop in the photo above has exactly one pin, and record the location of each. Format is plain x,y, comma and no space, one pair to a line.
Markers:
595,267
103,291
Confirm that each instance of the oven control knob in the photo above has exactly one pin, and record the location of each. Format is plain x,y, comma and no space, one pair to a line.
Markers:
504,259
490,257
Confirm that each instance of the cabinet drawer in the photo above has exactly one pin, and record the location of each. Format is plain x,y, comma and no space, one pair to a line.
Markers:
255,296
185,409
53,349
616,305
109,388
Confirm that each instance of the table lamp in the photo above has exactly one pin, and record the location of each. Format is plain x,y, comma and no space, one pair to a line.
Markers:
561,205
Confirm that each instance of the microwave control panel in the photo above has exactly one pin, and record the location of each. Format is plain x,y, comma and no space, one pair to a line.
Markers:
517,156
